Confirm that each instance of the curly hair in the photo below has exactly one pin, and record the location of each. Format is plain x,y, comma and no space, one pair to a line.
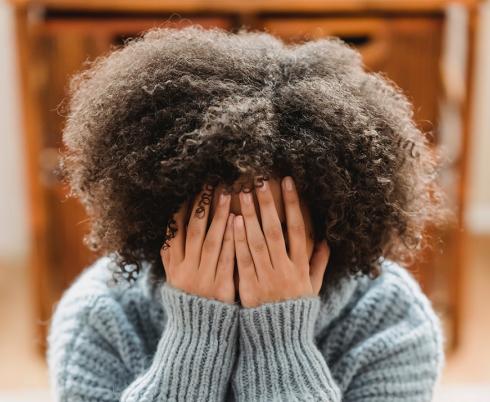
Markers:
152,121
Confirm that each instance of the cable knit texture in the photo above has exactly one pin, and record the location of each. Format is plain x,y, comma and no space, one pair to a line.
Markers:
370,340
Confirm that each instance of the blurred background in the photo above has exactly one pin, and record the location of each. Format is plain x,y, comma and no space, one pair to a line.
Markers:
438,52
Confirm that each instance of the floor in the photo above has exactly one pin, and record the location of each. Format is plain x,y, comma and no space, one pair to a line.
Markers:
23,374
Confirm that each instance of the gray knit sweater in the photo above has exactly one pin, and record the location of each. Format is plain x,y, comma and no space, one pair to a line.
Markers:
371,340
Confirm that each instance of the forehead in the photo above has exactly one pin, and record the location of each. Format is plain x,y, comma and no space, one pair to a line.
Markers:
235,208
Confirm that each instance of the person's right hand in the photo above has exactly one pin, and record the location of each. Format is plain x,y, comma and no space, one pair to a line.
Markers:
202,263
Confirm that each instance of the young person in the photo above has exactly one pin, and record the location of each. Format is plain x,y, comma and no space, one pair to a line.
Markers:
253,204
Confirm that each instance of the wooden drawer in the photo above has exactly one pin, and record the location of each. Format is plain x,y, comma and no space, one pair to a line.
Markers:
407,50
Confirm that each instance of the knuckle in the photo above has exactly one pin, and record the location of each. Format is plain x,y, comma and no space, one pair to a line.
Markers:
267,199
258,246
193,232
273,232
209,245
304,272
246,260
266,291
228,236
221,214
164,253
248,212
223,208
241,237
225,260
181,282
292,199
297,227
282,275
167,269
296,290
165,256
203,287
222,292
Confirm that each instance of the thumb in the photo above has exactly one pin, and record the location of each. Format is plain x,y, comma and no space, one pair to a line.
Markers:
318,265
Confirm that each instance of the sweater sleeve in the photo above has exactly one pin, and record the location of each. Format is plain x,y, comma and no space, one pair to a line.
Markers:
98,355
387,348
278,359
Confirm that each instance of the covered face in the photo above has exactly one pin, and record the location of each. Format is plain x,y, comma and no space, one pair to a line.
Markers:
275,186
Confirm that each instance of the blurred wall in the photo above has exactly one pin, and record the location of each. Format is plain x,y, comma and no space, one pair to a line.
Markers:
14,237
478,216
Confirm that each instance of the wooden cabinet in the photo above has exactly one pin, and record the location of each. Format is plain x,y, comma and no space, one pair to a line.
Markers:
406,49
400,39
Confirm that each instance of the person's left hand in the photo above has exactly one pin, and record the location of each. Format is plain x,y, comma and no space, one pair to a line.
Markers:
267,273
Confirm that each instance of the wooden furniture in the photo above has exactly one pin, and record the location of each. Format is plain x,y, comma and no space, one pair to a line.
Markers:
404,39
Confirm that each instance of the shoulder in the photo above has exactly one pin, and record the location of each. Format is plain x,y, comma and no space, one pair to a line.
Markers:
389,331
392,310
94,294
95,284
96,324
88,291
394,295
396,292
98,321
78,300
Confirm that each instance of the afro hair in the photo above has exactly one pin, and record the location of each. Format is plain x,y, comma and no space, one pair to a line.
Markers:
151,122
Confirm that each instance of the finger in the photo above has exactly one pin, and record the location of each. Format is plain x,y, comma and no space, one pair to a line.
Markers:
172,251
214,238
295,223
246,268
177,243
196,229
271,225
318,265
226,262
255,238
165,256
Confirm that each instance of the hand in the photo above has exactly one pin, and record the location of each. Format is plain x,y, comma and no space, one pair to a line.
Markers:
267,273
202,263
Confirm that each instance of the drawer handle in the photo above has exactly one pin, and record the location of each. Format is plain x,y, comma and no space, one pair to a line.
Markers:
357,40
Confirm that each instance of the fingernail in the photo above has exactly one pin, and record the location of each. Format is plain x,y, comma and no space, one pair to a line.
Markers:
247,197
288,183
230,219
239,221
222,198
264,185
